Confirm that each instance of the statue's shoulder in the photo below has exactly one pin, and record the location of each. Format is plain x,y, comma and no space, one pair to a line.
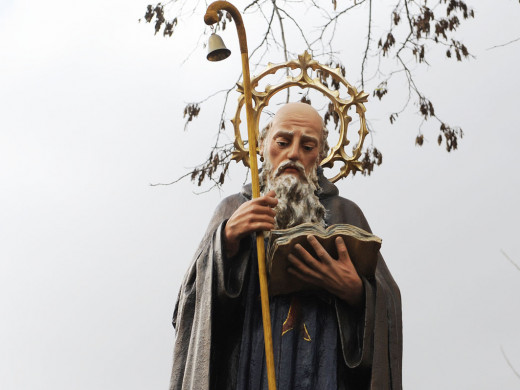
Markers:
229,204
341,202
235,199
343,210
330,197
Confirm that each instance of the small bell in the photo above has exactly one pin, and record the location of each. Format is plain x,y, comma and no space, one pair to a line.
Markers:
217,51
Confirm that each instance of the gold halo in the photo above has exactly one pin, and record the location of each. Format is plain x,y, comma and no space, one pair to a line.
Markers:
303,80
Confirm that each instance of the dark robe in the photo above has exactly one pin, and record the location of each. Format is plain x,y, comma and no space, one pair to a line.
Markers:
217,319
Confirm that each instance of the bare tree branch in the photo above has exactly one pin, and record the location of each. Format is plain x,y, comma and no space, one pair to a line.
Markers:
266,35
333,19
251,5
201,36
282,33
509,363
368,45
504,44
227,90
298,27
172,182
425,26
510,260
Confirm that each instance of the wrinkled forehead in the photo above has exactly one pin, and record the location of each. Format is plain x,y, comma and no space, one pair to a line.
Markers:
298,115
300,112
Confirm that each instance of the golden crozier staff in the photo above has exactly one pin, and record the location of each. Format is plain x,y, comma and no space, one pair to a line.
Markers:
221,53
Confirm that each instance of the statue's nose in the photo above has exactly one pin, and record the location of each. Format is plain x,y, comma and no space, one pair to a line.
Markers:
294,152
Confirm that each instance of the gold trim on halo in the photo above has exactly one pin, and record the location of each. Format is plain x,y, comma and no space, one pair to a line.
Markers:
303,80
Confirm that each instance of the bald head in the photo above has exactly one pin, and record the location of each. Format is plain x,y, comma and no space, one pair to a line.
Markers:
300,115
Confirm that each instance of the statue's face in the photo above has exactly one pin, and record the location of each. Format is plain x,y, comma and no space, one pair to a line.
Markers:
295,135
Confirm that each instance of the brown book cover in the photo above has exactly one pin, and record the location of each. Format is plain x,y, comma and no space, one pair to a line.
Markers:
362,247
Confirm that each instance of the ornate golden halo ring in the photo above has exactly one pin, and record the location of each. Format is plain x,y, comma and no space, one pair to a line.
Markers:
303,80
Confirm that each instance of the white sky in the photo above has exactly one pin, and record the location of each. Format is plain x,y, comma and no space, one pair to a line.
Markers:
91,256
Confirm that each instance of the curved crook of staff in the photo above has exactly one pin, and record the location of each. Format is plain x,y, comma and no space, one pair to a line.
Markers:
211,17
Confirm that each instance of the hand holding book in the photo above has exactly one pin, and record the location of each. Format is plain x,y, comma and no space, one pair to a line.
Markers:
363,248
337,276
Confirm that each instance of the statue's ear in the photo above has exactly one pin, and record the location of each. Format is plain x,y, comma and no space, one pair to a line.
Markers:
261,149
262,139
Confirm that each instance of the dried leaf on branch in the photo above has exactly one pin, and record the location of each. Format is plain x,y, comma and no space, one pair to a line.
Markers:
418,31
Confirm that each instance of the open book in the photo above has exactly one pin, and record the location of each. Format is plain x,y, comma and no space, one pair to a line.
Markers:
362,247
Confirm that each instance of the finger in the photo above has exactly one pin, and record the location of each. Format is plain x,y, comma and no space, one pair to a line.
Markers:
307,258
341,247
262,227
258,219
302,270
247,223
320,251
255,227
268,199
257,209
303,277
253,215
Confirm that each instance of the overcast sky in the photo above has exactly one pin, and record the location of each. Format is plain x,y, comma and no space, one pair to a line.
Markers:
92,256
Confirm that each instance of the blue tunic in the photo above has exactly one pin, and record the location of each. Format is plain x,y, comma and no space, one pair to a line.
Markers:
305,341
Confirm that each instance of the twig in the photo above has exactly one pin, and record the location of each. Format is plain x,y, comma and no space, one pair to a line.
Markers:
408,15
206,191
213,95
266,35
504,44
251,4
408,73
298,27
282,32
368,44
333,19
173,182
510,260
194,50
509,363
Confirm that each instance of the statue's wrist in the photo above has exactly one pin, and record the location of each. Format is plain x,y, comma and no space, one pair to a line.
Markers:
355,296
231,245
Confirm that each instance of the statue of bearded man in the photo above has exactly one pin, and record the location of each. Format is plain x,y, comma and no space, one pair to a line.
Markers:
347,334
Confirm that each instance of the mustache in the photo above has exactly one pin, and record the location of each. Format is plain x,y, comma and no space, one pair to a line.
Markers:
290,164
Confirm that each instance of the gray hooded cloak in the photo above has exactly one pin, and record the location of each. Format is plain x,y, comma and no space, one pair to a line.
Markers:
209,314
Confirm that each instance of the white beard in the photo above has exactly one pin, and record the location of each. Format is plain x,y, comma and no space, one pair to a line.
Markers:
297,195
